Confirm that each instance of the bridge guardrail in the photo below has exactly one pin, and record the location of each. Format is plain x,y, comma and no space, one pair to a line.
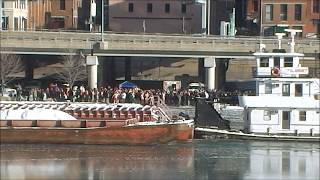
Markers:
151,36
150,41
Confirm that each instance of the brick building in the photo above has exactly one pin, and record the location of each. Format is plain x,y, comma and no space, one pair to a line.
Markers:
296,14
39,12
64,14
55,14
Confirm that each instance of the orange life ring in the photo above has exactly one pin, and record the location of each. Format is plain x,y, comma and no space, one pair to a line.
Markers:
275,71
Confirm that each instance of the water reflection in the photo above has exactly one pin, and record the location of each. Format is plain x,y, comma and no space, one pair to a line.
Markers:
95,162
284,161
200,159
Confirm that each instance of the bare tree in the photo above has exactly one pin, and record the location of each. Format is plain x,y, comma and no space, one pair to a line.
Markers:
10,64
73,68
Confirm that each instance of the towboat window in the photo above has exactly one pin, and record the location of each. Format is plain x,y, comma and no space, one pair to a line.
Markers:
302,116
298,90
276,61
266,115
288,62
268,88
286,119
264,62
285,89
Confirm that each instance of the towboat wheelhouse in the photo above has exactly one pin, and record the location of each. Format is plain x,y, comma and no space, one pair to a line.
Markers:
287,100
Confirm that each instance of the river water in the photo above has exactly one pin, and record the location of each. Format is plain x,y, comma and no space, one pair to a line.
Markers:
195,159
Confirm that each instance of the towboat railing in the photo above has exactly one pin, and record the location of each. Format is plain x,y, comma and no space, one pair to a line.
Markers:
163,108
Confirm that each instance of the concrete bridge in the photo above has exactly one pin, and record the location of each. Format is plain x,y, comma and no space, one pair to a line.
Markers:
155,45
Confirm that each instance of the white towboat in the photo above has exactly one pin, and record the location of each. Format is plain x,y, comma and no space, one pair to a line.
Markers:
287,101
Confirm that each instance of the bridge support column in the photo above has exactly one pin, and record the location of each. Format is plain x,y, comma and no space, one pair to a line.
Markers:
210,66
109,71
221,72
201,70
92,65
29,67
127,75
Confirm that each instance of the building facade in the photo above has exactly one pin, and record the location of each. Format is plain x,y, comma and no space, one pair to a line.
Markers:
54,14
163,16
14,15
39,14
296,14
220,12
65,14
42,14
154,16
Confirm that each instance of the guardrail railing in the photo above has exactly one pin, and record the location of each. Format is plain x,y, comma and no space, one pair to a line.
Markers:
182,42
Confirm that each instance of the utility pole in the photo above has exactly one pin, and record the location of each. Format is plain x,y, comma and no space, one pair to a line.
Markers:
1,9
144,26
261,15
208,17
183,25
102,20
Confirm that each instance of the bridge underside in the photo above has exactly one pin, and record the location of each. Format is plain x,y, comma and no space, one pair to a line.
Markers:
139,53
110,70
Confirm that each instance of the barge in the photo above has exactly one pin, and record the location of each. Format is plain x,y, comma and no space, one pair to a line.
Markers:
78,123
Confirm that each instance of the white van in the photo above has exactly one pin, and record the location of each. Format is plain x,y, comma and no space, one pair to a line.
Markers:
195,87
7,92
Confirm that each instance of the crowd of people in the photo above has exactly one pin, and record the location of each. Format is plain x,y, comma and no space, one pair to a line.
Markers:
109,94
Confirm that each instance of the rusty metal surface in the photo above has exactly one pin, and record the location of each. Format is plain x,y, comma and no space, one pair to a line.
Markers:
132,135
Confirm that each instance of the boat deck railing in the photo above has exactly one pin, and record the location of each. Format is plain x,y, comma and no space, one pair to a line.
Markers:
164,109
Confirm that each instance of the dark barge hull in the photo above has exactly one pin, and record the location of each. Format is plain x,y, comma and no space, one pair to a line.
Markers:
128,135
209,133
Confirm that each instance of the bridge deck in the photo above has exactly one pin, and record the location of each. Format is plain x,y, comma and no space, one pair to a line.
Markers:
53,43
